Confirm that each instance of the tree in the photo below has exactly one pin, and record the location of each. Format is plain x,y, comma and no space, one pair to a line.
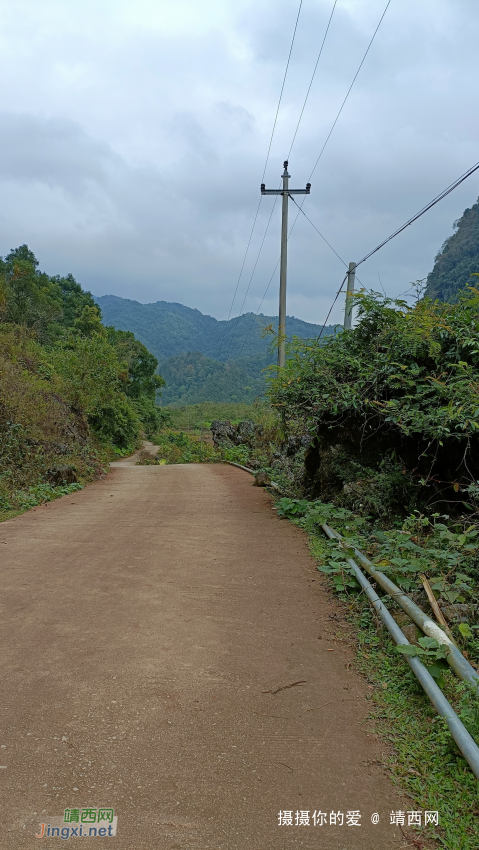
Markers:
457,260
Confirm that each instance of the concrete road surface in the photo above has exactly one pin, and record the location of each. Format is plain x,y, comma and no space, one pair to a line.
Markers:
153,628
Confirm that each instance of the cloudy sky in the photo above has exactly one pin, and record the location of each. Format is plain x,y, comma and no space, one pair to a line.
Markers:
133,136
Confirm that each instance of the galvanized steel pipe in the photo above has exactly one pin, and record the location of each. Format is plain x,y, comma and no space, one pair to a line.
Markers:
455,658
463,739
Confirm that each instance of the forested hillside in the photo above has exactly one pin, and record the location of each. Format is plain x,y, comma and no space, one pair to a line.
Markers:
457,260
201,358
193,378
72,391
168,329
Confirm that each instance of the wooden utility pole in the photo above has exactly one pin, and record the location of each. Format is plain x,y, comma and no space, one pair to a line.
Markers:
285,192
348,310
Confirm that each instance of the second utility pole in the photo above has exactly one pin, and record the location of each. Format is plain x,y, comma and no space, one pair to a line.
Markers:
285,192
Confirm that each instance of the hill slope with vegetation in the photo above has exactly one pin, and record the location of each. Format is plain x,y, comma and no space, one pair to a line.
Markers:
72,391
457,260
201,358
392,406
168,329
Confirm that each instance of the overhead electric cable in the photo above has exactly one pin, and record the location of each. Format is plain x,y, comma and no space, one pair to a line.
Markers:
312,78
410,221
257,311
317,231
421,212
251,278
274,272
320,234
264,172
331,308
282,90
239,278
350,88
327,137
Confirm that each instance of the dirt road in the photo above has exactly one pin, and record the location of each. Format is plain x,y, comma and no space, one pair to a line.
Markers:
147,621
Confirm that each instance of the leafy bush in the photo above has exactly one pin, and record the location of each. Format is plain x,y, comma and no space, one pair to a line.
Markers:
393,405
179,448
41,493
236,454
72,392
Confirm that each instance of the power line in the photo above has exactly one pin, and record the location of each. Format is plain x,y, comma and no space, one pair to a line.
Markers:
317,231
267,288
281,92
257,311
410,221
349,90
322,237
421,212
325,143
331,308
312,78
264,172
239,278
251,278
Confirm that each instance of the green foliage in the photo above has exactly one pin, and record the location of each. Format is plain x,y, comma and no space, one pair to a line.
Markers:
293,508
394,403
192,378
446,551
41,493
228,357
194,417
431,653
458,259
179,448
169,329
31,298
71,391
236,454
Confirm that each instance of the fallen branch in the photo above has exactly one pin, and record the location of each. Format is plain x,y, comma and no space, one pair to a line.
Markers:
285,765
279,716
284,687
345,699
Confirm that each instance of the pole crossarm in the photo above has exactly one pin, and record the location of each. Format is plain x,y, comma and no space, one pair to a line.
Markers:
306,191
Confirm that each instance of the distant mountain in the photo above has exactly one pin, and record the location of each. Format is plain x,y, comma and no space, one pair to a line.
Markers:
200,357
457,260
168,329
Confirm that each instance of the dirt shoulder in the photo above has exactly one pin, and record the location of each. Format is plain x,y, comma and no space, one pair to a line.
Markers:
147,622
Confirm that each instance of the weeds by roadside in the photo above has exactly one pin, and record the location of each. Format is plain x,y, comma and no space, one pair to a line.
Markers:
33,496
178,447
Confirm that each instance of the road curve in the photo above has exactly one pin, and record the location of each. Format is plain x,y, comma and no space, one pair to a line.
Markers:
146,623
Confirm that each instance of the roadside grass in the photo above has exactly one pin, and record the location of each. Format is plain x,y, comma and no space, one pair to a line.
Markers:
194,417
178,447
33,496
422,758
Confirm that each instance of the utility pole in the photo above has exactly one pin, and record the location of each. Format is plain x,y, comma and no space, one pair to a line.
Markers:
348,310
285,192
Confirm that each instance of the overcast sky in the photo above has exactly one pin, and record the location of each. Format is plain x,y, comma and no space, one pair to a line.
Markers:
133,135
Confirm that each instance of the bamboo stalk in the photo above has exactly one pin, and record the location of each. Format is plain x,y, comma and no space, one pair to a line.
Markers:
435,607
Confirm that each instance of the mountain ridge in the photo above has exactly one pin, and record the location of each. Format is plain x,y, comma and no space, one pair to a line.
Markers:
169,328
200,357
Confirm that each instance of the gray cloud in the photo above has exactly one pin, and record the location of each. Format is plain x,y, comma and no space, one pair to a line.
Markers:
133,138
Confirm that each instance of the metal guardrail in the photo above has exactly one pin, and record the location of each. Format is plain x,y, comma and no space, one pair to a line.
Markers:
463,739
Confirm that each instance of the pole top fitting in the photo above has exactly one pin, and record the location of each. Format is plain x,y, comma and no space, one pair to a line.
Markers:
285,163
